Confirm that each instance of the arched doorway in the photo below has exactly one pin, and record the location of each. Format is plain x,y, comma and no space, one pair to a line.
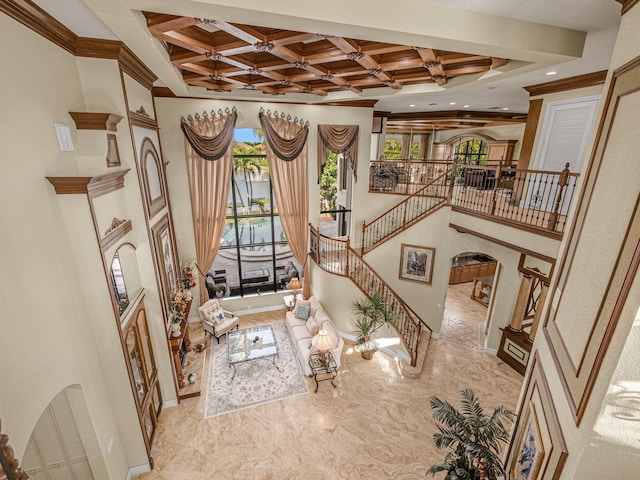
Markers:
63,443
468,300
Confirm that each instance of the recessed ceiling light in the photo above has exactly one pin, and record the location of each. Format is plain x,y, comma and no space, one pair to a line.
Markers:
466,106
412,105
452,103
505,108
552,73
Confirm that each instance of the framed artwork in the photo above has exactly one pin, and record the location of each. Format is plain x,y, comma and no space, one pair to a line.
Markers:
165,256
538,451
416,263
529,448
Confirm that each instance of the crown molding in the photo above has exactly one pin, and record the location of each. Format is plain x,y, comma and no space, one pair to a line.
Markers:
96,121
92,186
33,17
459,115
627,5
571,83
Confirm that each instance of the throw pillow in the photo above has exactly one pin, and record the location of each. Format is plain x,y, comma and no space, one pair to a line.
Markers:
303,302
302,312
218,315
313,326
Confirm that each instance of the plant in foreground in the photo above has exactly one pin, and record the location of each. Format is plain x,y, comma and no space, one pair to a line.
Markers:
473,437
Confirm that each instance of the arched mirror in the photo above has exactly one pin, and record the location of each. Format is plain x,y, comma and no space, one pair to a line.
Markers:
124,277
118,284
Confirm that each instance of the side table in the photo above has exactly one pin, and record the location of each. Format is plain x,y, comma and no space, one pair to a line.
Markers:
323,364
289,301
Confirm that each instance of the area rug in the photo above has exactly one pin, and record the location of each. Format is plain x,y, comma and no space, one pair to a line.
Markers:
462,332
256,382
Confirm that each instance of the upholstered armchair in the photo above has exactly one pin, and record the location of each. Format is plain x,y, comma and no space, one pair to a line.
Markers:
215,320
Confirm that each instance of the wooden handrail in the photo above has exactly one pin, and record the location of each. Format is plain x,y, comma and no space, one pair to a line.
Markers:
409,334
401,207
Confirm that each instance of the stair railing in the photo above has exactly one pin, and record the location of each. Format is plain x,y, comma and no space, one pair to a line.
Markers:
412,209
336,256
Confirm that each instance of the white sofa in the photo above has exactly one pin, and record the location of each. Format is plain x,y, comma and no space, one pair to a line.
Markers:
303,331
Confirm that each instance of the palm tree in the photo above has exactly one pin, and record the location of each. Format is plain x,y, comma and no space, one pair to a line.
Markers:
248,166
473,437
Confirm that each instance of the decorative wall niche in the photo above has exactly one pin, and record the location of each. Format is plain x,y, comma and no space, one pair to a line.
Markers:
101,121
151,169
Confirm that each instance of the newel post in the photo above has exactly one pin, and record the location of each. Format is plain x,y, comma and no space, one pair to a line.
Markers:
362,243
562,182
496,183
348,254
452,181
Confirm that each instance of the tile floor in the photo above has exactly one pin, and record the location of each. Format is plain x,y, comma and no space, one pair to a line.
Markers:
463,320
374,425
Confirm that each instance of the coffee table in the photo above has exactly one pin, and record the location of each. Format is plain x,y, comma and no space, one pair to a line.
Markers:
248,344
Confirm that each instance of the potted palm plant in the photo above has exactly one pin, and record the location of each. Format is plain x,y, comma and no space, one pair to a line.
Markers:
472,436
373,314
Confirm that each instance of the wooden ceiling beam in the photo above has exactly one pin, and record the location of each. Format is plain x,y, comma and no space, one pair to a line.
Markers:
164,23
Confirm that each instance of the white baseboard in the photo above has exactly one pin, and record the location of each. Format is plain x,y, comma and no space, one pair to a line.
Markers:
140,469
260,310
491,351
435,334
170,403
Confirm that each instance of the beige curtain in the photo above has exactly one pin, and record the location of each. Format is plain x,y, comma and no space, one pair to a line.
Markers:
209,182
341,139
287,156
424,146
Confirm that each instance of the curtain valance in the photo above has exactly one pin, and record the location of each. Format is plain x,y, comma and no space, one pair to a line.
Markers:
214,147
287,149
341,139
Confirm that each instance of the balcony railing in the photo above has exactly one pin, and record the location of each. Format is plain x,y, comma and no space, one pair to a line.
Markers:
336,256
536,199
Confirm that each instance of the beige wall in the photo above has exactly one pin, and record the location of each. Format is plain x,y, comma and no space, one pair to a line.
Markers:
597,448
49,341
58,306
170,111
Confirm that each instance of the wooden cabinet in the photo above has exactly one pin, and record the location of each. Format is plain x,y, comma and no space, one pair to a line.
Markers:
465,269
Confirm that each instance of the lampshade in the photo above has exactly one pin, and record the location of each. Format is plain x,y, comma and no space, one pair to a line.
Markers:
323,341
294,284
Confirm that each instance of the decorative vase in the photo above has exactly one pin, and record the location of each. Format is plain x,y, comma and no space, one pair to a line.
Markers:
175,330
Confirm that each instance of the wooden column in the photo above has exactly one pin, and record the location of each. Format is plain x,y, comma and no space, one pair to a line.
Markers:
520,309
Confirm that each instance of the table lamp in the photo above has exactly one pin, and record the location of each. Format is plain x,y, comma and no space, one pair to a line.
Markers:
294,285
323,342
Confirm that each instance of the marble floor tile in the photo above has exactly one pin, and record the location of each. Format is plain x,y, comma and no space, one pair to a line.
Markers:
374,424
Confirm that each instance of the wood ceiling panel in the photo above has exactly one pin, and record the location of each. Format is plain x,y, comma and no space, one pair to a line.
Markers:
219,55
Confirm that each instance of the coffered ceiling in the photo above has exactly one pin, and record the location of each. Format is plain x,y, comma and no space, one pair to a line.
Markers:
429,63
223,56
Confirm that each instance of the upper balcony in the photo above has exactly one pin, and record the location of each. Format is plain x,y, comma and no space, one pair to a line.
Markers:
534,200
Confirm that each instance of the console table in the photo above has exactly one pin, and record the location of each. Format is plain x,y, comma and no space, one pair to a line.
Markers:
180,347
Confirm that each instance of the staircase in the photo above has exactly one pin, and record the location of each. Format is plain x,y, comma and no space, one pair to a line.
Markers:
411,210
336,256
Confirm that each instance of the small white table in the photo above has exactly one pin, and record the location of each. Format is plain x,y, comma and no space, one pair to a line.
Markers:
290,302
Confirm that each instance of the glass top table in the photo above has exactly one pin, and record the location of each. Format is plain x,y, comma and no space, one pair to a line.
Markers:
249,344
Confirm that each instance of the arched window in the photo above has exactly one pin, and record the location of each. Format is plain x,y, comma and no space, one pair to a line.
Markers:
470,151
